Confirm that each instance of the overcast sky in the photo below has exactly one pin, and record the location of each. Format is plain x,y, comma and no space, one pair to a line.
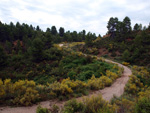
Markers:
91,15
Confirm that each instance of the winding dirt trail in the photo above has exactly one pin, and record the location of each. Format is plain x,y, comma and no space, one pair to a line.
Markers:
117,89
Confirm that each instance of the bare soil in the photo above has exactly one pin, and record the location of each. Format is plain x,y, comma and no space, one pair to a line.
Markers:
117,89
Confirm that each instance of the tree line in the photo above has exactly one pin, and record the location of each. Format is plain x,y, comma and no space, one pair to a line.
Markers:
12,32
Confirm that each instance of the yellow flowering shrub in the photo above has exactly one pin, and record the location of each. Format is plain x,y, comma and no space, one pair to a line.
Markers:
96,104
99,83
120,70
93,83
68,82
8,86
143,102
77,84
134,85
80,86
111,75
22,92
142,73
2,91
65,89
60,88
74,44
144,93
124,105
28,98
67,86
25,92
125,63
107,81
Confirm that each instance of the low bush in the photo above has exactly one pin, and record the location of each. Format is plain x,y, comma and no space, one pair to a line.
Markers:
89,105
22,92
143,74
124,104
42,110
113,76
72,106
67,87
143,105
134,85
98,83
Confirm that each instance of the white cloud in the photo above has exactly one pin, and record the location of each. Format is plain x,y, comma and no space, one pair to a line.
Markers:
74,14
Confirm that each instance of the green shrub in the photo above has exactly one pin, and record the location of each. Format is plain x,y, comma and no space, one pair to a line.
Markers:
98,105
54,109
72,75
85,75
143,105
42,110
72,106
89,105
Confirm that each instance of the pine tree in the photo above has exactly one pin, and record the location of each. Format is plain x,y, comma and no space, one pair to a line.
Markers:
37,50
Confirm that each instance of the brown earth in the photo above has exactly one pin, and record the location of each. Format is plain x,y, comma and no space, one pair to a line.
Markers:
104,51
117,89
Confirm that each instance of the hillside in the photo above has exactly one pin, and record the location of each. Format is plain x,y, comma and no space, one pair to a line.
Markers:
122,42
107,94
38,65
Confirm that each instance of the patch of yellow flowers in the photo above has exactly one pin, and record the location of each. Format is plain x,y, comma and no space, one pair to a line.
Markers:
22,92
25,92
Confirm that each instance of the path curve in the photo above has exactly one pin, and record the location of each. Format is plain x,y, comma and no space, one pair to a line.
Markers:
117,89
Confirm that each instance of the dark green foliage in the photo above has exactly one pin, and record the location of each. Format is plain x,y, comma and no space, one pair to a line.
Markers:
53,30
52,54
89,38
37,50
61,31
82,68
8,47
24,32
126,55
72,75
47,40
38,28
112,26
3,58
137,27
127,25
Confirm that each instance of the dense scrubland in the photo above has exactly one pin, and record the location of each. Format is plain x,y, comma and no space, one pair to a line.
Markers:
33,67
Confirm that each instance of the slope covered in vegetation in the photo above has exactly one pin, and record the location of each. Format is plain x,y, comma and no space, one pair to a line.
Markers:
33,69
122,42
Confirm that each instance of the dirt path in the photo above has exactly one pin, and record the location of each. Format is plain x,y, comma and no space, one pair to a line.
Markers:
117,88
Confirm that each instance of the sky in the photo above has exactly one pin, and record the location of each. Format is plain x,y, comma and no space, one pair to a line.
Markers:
74,15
